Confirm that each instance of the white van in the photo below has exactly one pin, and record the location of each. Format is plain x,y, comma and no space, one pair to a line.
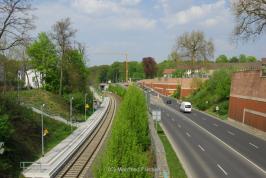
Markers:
185,107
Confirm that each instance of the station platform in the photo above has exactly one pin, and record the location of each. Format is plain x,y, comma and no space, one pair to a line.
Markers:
53,160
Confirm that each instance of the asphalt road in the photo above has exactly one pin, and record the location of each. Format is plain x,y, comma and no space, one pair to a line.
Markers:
211,148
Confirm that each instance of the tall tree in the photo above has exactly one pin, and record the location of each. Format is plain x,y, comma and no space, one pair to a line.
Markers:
195,46
150,67
15,22
44,59
75,71
222,59
63,33
250,18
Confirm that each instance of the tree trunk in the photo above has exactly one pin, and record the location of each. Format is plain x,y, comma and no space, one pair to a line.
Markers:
61,76
37,79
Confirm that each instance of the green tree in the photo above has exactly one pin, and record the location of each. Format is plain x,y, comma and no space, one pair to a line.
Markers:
234,59
242,58
75,71
251,59
222,59
44,59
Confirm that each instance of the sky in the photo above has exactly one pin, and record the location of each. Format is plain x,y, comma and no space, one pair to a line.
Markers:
142,28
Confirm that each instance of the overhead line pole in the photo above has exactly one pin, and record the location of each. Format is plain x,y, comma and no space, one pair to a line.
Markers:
126,55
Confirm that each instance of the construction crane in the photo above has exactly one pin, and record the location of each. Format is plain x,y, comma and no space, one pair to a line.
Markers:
125,54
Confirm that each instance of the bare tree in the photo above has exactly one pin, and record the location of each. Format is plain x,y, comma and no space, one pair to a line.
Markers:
195,46
15,22
250,18
62,34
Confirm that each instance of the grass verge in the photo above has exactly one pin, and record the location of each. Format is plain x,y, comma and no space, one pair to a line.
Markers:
54,104
176,169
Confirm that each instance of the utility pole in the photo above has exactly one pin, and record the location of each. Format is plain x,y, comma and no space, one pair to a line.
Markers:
70,113
42,130
85,105
126,55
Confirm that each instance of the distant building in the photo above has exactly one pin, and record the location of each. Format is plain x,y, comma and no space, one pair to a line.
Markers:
205,70
248,97
168,73
168,86
33,79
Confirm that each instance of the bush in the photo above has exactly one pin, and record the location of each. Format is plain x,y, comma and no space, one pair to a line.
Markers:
79,100
223,108
216,91
129,141
117,89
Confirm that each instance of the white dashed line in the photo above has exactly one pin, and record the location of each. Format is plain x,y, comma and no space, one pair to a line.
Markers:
220,167
231,133
253,145
202,149
188,134
173,120
179,125
203,118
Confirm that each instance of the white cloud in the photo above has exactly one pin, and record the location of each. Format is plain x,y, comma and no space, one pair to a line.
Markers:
193,14
117,14
130,2
96,6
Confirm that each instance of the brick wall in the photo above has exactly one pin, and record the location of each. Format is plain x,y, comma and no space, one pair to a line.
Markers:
167,86
248,99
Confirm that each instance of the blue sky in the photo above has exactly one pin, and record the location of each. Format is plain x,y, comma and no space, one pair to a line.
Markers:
144,27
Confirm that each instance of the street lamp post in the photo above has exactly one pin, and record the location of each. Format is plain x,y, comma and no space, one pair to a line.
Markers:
85,107
42,130
70,114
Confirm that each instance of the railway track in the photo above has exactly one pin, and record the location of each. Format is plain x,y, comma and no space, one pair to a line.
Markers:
80,162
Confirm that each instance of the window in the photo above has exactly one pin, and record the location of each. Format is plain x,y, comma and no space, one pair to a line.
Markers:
263,70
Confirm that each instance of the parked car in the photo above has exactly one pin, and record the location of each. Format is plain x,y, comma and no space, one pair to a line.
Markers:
185,107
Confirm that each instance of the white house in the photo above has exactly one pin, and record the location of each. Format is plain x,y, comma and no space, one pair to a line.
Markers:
33,79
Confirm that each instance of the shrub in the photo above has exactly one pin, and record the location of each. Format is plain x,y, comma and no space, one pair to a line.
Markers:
216,91
129,141
117,89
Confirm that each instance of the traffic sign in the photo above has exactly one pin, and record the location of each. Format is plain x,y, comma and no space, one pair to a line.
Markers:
45,132
156,115
87,106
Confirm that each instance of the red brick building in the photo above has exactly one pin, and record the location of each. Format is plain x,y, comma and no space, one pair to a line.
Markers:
248,98
167,86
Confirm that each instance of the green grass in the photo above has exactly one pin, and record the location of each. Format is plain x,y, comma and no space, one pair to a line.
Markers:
57,132
54,104
176,169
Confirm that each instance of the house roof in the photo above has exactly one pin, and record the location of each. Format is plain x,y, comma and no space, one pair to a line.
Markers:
169,71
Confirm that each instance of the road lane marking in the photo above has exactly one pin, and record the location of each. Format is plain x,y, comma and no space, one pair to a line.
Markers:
216,137
179,125
253,145
202,149
188,134
220,167
216,125
231,133
173,120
